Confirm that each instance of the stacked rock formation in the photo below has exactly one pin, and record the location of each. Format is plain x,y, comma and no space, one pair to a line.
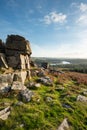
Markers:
18,52
15,53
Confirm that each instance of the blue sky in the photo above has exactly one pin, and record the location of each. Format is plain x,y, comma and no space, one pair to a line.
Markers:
55,28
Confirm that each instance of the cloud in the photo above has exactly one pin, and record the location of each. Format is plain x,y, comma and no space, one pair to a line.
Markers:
54,17
82,20
83,7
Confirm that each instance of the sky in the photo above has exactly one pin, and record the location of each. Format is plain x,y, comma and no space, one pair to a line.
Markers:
55,28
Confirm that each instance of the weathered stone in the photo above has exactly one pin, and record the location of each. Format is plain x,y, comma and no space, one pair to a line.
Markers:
18,86
17,43
49,99
3,62
19,103
6,78
20,76
33,85
66,105
37,85
16,55
17,77
30,84
41,73
19,61
46,81
5,113
85,92
82,98
21,125
25,95
4,88
14,61
64,125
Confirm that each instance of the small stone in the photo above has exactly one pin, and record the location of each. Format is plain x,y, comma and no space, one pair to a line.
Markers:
25,95
85,92
31,84
46,81
21,125
19,103
81,98
5,113
37,85
66,106
49,99
64,125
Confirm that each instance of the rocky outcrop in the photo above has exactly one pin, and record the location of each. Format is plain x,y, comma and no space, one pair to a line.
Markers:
15,52
18,52
17,44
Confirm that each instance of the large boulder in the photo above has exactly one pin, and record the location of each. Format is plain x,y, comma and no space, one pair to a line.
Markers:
17,43
4,88
6,78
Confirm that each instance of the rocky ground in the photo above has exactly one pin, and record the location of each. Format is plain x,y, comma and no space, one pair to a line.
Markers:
50,100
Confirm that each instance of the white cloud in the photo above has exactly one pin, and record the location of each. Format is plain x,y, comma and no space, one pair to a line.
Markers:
83,7
55,17
82,20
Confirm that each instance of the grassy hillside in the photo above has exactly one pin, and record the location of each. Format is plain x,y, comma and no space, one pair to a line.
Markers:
49,105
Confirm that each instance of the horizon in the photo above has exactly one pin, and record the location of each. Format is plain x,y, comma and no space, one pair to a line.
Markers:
55,29
60,58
